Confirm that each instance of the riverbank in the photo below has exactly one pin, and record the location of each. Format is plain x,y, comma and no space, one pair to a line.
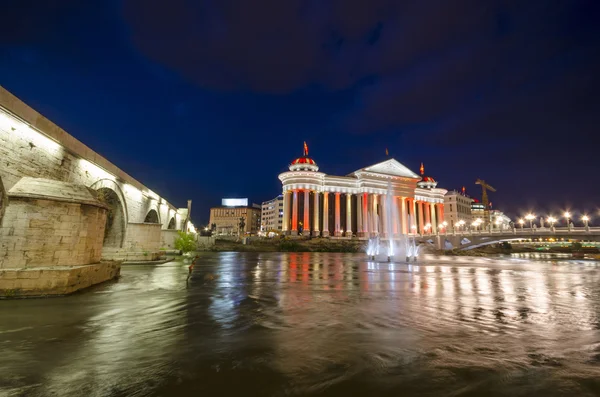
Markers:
354,246
288,245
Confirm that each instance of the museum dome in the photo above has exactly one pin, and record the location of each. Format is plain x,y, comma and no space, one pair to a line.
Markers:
426,182
304,163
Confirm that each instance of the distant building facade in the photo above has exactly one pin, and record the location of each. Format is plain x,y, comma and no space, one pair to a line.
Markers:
457,207
271,217
500,220
226,217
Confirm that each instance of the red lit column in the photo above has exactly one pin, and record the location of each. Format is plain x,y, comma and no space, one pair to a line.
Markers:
306,220
337,230
325,214
295,213
421,223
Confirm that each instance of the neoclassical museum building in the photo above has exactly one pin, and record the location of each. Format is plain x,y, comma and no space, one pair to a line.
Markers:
318,204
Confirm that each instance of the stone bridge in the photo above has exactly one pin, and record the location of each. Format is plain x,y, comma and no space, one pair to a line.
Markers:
62,204
474,239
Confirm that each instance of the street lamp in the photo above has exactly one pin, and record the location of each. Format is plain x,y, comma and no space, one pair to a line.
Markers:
460,223
585,220
530,217
568,216
551,220
521,222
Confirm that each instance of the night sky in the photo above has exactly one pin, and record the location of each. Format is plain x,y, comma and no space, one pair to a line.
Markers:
208,99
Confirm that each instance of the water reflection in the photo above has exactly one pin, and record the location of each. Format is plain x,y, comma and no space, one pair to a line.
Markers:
301,323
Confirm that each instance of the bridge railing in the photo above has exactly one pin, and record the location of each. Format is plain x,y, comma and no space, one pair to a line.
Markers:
525,232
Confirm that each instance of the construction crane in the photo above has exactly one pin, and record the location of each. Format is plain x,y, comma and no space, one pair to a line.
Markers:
484,198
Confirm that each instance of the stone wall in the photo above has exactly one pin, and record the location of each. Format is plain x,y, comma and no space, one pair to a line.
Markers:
50,233
59,280
143,237
167,239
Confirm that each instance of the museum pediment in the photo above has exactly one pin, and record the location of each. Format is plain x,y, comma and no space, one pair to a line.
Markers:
389,167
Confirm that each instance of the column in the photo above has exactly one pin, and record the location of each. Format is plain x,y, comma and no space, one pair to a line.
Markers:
359,213
440,213
316,214
375,214
325,214
415,210
306,220
337,231
383,215
348,215
427,213
295,213
434,223
285,225
421,227
365,214
403,209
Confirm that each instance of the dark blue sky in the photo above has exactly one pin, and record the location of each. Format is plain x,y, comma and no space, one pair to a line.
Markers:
206,99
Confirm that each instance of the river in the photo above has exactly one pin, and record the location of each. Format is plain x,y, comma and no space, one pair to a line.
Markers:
318,324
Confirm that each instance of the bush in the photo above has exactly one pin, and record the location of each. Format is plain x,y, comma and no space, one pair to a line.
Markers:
185,242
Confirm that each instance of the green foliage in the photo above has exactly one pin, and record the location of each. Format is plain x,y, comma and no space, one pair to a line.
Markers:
185,242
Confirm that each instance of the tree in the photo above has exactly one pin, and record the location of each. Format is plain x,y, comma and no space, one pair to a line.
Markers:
185,242
242,225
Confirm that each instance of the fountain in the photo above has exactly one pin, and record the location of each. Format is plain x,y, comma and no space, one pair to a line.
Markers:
396,242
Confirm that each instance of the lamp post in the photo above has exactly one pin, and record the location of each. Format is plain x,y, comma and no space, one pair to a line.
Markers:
521,222
530,217
568,216
585,220
460,224
551,220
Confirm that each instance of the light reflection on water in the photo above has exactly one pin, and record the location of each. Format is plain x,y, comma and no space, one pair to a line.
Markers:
313,324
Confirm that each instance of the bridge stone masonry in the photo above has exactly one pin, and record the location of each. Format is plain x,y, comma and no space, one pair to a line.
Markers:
68,216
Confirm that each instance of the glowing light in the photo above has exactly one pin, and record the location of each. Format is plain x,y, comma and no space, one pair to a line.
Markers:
521,221
28,134
567,214
94,171
133,191
585,218
530,217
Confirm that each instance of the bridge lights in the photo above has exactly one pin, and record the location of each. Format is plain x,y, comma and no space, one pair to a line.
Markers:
568,216
585,220
521,222
551,220
530,217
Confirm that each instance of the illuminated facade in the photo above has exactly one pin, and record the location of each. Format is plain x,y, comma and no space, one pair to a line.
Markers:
271,217
318,204
226,218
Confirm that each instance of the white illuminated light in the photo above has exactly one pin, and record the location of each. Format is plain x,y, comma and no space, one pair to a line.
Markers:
133,192
28,134
94,171
234,202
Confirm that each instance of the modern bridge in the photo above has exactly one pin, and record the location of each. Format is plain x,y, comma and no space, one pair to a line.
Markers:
474,239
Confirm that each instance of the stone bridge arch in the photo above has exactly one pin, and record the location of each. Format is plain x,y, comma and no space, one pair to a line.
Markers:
110,193
152,216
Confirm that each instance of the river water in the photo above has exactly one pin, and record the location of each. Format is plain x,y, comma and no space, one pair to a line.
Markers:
318,324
